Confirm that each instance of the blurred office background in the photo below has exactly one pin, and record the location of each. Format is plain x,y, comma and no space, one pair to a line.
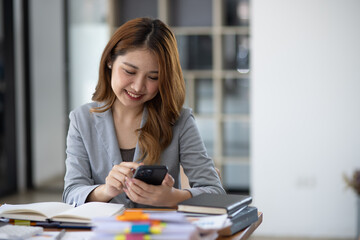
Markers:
274,85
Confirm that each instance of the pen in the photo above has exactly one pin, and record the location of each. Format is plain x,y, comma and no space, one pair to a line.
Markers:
60,235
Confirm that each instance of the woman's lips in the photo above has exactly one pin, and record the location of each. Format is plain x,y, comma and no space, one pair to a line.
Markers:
133,95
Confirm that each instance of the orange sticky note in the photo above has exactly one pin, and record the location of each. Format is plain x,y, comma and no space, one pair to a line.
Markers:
133,216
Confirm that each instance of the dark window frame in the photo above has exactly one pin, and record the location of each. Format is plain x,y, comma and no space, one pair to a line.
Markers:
9,179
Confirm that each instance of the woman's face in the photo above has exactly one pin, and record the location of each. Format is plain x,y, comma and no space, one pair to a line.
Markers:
134,77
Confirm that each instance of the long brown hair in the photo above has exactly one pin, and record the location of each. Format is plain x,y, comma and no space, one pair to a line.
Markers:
164,109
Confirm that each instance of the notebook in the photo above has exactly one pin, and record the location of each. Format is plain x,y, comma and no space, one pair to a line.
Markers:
215,203
59,211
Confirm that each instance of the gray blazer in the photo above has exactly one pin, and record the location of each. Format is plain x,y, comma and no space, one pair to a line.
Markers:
92,150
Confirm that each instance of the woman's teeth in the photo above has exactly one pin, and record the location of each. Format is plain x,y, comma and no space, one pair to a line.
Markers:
133,95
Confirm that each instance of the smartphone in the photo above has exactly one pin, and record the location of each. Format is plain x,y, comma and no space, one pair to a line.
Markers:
151,174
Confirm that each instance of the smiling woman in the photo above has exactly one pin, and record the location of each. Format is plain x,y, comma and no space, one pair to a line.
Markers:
134,82
137,117
134,78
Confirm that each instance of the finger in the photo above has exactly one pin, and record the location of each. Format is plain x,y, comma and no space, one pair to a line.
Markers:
134,196
128,194
130,164
117,175
135,186
168,180
120,172
143,186
114,183
126,168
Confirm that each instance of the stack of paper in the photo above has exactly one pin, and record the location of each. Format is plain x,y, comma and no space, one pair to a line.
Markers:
209,224
136,224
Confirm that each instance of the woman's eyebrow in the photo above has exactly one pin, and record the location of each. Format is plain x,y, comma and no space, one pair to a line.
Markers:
133,66
130,65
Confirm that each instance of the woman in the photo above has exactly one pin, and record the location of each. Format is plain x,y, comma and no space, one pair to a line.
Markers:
137,117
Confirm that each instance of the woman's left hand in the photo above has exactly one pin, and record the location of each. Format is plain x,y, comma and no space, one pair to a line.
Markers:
164,195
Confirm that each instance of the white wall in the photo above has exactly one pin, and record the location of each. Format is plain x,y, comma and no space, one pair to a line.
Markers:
86,44
47,89
305,115
89,32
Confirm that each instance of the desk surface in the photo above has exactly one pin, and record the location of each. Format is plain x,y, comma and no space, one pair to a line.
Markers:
242,235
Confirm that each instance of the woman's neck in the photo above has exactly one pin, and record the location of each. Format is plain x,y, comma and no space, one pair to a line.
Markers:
126,114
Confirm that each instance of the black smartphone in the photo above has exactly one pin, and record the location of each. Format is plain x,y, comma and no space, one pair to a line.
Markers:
151,174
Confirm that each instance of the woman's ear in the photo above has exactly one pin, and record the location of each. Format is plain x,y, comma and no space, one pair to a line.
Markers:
109,63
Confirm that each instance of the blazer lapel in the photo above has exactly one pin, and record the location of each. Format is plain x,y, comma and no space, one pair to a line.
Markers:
143,121
104,124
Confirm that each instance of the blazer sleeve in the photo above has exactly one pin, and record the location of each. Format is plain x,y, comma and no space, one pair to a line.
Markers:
198,166
78,180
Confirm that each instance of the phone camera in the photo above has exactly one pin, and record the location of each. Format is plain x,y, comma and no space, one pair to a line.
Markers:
145,173
148,172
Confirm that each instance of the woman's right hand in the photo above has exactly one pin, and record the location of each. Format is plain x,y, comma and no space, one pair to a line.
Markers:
114,182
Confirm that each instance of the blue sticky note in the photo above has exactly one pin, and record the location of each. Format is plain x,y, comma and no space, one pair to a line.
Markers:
140,228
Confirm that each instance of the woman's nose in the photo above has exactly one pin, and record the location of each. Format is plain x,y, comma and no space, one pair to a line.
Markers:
138,84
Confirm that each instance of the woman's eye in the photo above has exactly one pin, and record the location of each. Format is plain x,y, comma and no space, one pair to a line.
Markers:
153,78
129,72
